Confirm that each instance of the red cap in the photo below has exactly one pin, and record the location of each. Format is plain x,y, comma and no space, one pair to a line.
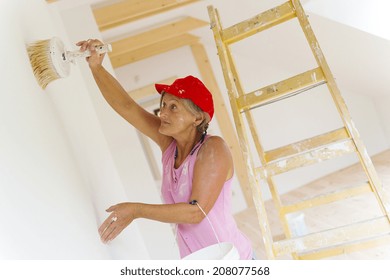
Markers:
191,88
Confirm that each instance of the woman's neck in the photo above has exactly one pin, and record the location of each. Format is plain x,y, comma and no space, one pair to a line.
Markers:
185,147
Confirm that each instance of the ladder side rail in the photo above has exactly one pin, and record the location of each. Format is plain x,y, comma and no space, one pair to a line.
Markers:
226,126
256,139
268,179
229,80
382,196
248,114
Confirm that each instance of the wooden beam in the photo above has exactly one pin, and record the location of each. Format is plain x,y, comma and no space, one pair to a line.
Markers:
148,90
153,49
129,10
156,35
225,125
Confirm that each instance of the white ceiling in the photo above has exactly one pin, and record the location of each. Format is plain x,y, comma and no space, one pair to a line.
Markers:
370,16
353,35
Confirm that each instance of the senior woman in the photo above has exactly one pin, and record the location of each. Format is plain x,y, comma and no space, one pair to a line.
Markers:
197,168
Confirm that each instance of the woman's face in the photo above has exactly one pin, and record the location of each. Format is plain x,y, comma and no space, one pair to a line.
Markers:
175,117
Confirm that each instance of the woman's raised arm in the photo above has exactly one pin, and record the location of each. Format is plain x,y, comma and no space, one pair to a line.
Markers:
116,96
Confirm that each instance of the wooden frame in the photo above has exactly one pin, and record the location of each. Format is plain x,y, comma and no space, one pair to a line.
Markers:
126,11
155,41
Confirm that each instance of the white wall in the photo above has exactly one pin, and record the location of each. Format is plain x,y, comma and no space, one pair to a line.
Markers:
45,209
123,143
382,104
57,174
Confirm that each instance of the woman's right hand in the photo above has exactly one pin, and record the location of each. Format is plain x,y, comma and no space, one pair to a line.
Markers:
95,59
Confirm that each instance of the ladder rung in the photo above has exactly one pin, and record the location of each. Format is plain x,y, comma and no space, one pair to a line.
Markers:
368,229
307,144
281,90
258,23
327,198
307,158
346,248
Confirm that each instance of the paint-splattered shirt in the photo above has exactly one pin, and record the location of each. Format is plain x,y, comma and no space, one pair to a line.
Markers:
177,187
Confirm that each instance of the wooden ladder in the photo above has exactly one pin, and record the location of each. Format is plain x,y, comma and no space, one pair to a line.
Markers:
313,245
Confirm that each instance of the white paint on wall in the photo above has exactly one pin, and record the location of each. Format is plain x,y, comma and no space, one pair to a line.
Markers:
54,185
382,105
44,204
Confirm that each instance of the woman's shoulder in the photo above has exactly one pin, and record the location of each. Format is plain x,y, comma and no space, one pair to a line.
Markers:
215,142
215,155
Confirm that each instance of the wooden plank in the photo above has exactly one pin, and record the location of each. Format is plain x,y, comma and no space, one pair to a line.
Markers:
258,23
307,158
149,90
126,11
155,35
327,198
333,237
153,49
281,90
307,144
224,122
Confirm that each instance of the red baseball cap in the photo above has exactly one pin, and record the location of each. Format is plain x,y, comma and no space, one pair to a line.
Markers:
191,88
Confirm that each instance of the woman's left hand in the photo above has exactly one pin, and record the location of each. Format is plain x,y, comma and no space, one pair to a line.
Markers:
121,216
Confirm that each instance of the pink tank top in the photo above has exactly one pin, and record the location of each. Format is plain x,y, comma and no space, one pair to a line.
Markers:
176,187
